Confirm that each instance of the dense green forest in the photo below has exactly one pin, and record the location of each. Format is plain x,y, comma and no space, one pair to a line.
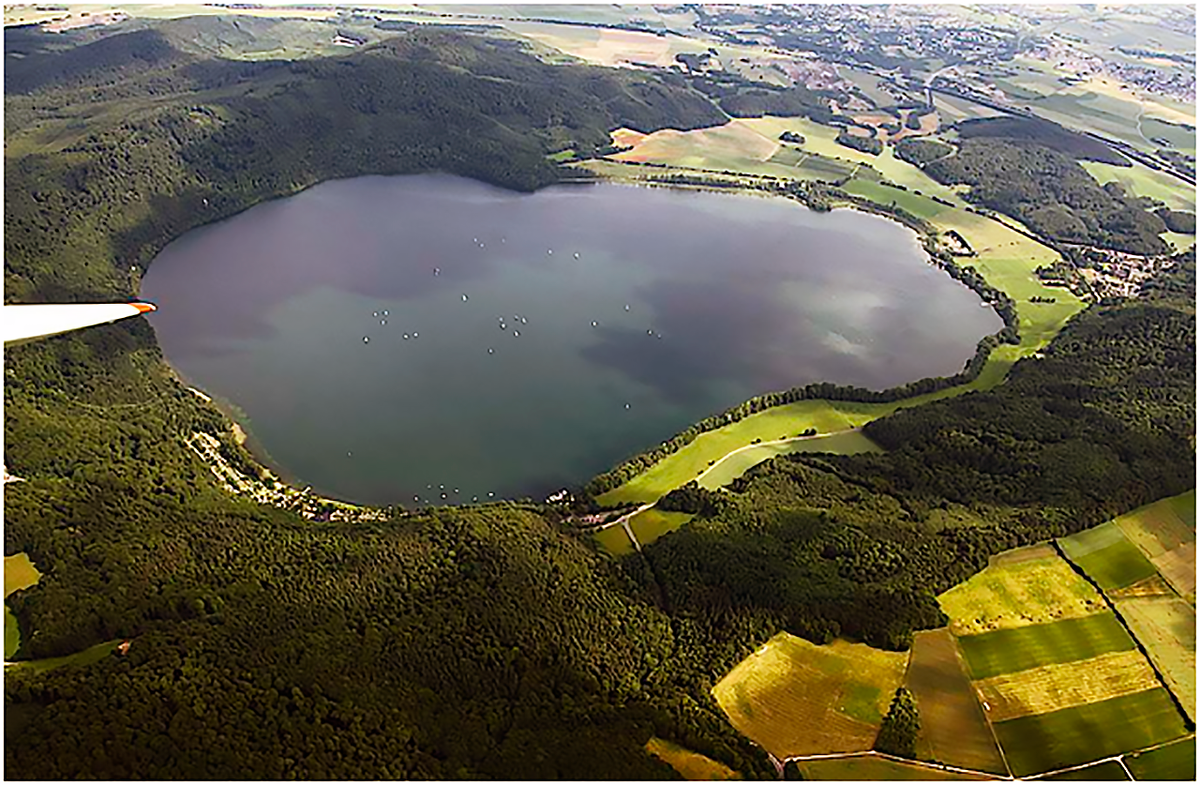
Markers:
1050,193
183,141
483,642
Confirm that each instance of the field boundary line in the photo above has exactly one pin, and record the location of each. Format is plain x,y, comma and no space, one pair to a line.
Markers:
1175,701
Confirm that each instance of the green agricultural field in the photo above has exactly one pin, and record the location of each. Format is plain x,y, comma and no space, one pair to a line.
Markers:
954,729
874,767
614,540
651,524
820,139
690,765
19,573
793,697
1046,742
1166,532
1026,586
1107,557
1176,761
1166,626
1144,181
735,464
1109,771
1021,648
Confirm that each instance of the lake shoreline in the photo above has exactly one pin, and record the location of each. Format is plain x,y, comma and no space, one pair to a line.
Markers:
263,458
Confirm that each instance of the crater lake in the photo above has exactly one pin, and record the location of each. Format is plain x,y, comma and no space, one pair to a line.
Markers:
429,339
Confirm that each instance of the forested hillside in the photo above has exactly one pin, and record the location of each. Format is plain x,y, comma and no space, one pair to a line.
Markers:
480,642
173,141
1051,193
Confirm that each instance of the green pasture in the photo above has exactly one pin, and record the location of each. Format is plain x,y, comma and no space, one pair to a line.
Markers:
873,767
1166,627
1107,557
1175,761
1020,648
1181,138
1178,241
868,84
1019,588
1109,771
1144,181
920,206
19,573
736,464
1068,737
85,657
614,540
649,525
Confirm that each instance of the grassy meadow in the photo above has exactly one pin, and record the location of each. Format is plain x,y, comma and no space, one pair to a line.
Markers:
614,540
19,573
85,657
1027,586
1035,646
1166,626
735,464
1108,558
690,765
1144,181
793,697
1068,737
954,729
649,525
1175,761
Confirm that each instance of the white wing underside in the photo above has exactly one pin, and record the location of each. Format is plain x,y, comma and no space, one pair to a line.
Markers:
21,323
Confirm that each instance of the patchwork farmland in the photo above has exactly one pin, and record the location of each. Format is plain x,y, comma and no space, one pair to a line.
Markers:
1035,676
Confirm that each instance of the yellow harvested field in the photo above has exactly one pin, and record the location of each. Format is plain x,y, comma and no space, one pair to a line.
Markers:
1063,685
690,765
19,573
793,697
1027,586
705,148
1154,586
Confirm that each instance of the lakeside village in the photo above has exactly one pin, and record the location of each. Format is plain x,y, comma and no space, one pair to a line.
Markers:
271,490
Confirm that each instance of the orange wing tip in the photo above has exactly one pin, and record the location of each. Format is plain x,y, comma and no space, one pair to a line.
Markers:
145,307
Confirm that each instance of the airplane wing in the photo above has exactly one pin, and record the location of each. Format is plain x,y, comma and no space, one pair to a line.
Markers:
22,323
